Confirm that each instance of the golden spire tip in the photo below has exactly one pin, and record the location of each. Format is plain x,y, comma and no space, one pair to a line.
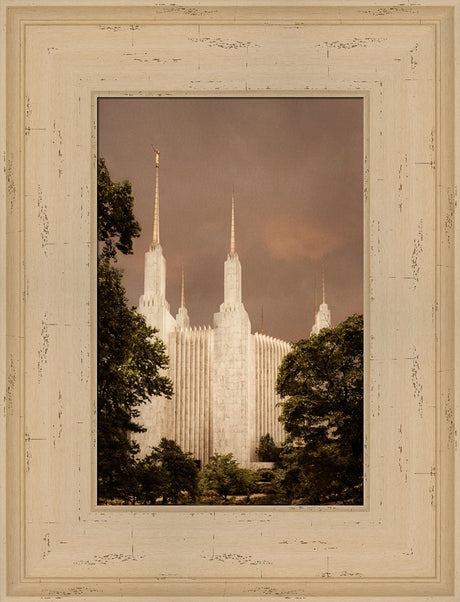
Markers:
182,297
232,236
156,210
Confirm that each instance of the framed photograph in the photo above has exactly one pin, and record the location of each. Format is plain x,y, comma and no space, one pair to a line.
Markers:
59,62
261,206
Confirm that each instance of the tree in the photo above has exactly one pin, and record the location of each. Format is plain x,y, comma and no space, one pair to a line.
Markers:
247,482
151,480
116,224
178,471
224,476
267,450
130,356
321,385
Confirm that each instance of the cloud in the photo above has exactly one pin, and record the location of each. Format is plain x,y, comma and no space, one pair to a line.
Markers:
286,238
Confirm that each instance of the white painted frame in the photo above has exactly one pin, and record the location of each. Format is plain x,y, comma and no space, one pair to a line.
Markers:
57,58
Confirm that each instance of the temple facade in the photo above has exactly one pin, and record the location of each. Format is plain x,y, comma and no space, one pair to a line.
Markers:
224,376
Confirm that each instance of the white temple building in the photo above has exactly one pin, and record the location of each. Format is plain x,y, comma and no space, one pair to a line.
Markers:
223,375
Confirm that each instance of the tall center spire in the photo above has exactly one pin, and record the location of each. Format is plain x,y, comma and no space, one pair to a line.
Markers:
232,235
156,211
232,270
324,294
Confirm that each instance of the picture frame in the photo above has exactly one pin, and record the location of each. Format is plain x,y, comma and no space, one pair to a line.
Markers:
58,59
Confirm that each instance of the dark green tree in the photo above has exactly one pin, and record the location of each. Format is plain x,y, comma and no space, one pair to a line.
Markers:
169,473
220,475
151,480
130,356
225,477
321,385
267,450
247,482
116,224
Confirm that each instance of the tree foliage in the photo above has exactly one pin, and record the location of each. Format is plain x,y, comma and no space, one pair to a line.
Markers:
267,450
172,473
130,356
321,385
116,224
224,476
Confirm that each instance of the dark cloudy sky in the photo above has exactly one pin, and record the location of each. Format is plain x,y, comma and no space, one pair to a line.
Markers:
296,166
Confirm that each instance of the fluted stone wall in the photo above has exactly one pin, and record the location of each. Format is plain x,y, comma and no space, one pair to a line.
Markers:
268,354
189,420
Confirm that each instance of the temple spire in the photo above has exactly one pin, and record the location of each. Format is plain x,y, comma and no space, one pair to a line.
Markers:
323,314
182,319
156,211
232,270
182,296
232,235
262,321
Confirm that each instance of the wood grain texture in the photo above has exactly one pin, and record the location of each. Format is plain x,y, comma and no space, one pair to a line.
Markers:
60,58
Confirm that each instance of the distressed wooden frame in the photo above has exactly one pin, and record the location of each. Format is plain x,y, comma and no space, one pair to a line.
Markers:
57,60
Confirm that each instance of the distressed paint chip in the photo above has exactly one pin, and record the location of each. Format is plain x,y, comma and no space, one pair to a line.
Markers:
416,382
43,351
225,44
354,43
108,558
238,558
417,251
44,220
11,186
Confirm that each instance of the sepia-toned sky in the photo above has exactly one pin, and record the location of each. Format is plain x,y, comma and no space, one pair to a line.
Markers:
296,168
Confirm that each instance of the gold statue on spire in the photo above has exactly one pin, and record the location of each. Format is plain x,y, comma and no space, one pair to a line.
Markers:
232,236
156,211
